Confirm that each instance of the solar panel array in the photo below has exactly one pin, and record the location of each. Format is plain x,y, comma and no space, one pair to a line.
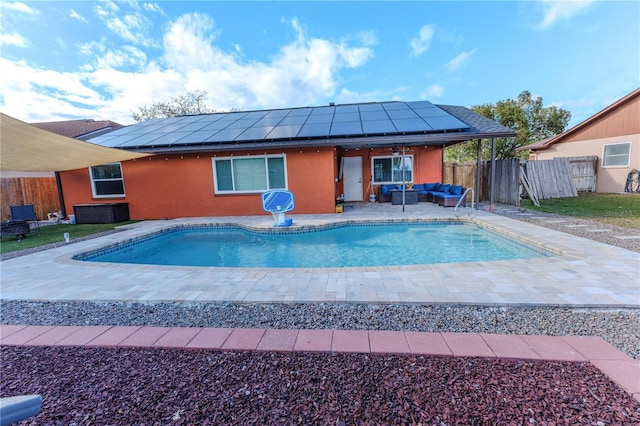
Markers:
370,119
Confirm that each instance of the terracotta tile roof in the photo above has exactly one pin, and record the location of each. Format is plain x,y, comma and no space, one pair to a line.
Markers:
77,128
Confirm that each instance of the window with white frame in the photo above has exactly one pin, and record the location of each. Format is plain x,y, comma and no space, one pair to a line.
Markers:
391,169
249,174
616,155
107,181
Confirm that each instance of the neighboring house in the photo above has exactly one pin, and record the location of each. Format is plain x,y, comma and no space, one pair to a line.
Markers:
612,135
219,164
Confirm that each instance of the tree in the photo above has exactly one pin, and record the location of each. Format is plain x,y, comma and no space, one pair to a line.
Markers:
188,103
526,115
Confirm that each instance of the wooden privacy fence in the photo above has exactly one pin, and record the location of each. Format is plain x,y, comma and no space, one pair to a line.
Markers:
583,172
542,179
42,192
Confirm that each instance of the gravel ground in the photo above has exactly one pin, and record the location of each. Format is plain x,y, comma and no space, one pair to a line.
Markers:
82,386
140,386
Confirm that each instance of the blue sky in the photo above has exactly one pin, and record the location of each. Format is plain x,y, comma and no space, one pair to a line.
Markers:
63,60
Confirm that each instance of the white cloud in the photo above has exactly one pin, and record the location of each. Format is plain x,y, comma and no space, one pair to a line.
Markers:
457,62
556,10
75,15
117,79
422,41
153,7
434,91
18,7
13,39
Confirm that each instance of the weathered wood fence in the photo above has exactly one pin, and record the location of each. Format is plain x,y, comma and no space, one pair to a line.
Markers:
42,192
583,171
545,178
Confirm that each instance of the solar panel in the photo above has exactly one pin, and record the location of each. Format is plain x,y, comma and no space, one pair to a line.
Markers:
284,132
143,139
320,118
170,138
195,126
122,140
370,107
346,128
430,112
378,127
243,123
299,111
292,120
401,113
411,125
198,136
351,120
277,113
314,130
446,123
374,115
420,104
388,106
343,109
268,121
216,125
254,133
172,127
323,110
257,115
341,117
225,135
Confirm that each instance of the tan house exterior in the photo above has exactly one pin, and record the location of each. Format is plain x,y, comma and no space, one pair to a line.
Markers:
613,135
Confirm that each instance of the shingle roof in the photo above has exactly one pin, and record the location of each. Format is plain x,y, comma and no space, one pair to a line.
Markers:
79,129
351,125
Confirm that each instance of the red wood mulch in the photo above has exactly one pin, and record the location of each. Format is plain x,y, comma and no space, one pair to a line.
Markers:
168,386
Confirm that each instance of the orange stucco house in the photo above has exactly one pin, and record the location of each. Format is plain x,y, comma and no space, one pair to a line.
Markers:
219,164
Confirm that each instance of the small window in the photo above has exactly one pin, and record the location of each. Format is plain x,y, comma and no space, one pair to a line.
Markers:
390,169
107,181
616,155
249,174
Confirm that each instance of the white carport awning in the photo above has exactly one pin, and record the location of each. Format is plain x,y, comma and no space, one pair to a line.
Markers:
25,148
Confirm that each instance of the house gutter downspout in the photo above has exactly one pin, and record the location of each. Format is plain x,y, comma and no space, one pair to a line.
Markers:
60,196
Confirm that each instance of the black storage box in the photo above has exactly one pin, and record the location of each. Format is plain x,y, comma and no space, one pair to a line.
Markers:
101,213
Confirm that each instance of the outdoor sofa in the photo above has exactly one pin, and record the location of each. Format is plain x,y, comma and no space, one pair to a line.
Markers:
445,195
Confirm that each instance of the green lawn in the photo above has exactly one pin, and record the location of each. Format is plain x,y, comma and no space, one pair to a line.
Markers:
614,209
53,234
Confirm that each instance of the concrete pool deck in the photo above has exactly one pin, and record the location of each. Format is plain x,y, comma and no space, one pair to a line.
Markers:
585,273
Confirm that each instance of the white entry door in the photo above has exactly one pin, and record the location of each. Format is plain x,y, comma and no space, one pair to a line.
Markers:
352,178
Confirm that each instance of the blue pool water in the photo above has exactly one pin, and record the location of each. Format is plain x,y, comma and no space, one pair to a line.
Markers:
344,246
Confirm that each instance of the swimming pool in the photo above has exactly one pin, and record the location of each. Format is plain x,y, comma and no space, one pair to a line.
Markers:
345,245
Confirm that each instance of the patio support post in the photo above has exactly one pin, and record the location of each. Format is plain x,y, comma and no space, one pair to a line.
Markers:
479,172
492,178
402,169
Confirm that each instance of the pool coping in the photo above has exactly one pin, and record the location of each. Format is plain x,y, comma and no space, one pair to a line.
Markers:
585,274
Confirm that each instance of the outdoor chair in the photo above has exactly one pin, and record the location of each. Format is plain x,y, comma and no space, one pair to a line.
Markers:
24,213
